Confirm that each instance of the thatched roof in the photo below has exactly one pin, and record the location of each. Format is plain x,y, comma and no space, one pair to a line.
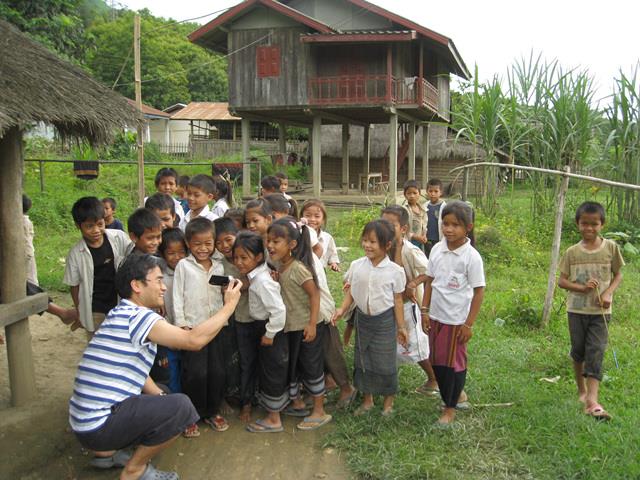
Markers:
36,85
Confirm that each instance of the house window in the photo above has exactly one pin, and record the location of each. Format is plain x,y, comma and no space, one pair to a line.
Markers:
268,61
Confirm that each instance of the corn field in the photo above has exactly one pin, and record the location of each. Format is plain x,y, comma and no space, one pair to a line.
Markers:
546,116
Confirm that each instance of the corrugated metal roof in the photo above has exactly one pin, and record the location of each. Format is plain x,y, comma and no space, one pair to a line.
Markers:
205,111
149,111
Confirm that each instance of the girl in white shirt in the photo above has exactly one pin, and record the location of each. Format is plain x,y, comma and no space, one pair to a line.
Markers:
453,294
263,346
316,214
376,287
222,195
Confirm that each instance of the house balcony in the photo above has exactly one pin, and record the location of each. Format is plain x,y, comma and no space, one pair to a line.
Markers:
373,90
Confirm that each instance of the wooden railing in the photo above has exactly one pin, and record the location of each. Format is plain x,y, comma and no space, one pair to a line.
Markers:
372,90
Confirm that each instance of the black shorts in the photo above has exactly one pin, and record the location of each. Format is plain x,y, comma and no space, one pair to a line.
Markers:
306,362
142,420
589,338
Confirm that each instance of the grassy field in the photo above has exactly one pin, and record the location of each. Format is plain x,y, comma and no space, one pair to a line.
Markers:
543,435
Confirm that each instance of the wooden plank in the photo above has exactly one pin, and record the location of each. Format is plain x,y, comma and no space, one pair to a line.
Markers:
359,38
393,157
412,152
345,158
246,146
316,155
13,277
20,309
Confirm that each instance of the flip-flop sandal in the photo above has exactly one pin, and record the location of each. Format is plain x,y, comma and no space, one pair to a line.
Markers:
346,402
428,391
314,423
296,412
218,423
360,411
259,426
598,412
192,431
151,473
118,459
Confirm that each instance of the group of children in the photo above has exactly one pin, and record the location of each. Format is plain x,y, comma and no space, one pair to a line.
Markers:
413,298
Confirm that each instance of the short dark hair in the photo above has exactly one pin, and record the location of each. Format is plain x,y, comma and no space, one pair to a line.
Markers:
382,229
203,182
591,207
87,208
26,204
199,225
398,211
270,182
224,225
111,201
237,215
278,203
281,176
165,172
143,219
435,182
135,267
260,205
171,235
411,184
161,201
183,181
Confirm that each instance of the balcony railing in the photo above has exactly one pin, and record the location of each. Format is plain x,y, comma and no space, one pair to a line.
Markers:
372,90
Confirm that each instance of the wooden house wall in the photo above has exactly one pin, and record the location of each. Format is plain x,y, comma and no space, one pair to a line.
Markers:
246,90
349,60
340,14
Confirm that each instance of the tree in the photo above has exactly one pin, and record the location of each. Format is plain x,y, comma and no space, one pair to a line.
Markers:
173,69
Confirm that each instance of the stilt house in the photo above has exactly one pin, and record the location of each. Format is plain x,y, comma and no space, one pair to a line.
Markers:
345,62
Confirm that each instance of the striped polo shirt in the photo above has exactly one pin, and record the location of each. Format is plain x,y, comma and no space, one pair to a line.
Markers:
114,366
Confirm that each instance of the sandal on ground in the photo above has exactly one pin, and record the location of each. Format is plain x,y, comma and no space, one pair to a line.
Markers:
218,423
192,431
597,411
428,391
296,412
151,473
388,413
119,459
310,423
260,426
362,411
346,402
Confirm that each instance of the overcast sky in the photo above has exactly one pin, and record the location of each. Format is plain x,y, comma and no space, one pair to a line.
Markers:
602,36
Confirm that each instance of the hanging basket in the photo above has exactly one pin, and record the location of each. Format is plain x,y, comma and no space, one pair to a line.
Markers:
86,169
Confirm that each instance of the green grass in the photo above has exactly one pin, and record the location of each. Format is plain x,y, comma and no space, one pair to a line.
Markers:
543,435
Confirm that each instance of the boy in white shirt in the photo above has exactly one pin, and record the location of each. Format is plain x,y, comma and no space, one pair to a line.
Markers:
91,264
200,192
195,300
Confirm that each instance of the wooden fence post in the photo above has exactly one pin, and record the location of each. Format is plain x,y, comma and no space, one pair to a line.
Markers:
555,249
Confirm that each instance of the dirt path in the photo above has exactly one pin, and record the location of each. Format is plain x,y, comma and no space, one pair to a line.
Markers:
35,443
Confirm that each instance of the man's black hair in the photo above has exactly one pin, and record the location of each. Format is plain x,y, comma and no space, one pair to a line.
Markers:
143,219
135,267
591,207
161,201
198,225
224,225
87,208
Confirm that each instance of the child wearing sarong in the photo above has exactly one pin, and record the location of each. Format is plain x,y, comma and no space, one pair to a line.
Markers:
376,287
452,298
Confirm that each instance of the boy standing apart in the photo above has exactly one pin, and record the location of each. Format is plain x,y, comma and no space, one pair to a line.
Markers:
591,272
110,220
92,262
434,208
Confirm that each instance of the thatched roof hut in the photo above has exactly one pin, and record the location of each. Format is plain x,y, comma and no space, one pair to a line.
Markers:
36,85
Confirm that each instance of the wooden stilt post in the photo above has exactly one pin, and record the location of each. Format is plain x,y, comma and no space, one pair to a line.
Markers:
555,249
425,154
393,157
13,277
138,89
345,158
316,155
465,184
245,126
411,172
282,141
366,152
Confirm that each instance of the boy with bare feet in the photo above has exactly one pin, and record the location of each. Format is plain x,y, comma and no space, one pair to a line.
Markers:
591,272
